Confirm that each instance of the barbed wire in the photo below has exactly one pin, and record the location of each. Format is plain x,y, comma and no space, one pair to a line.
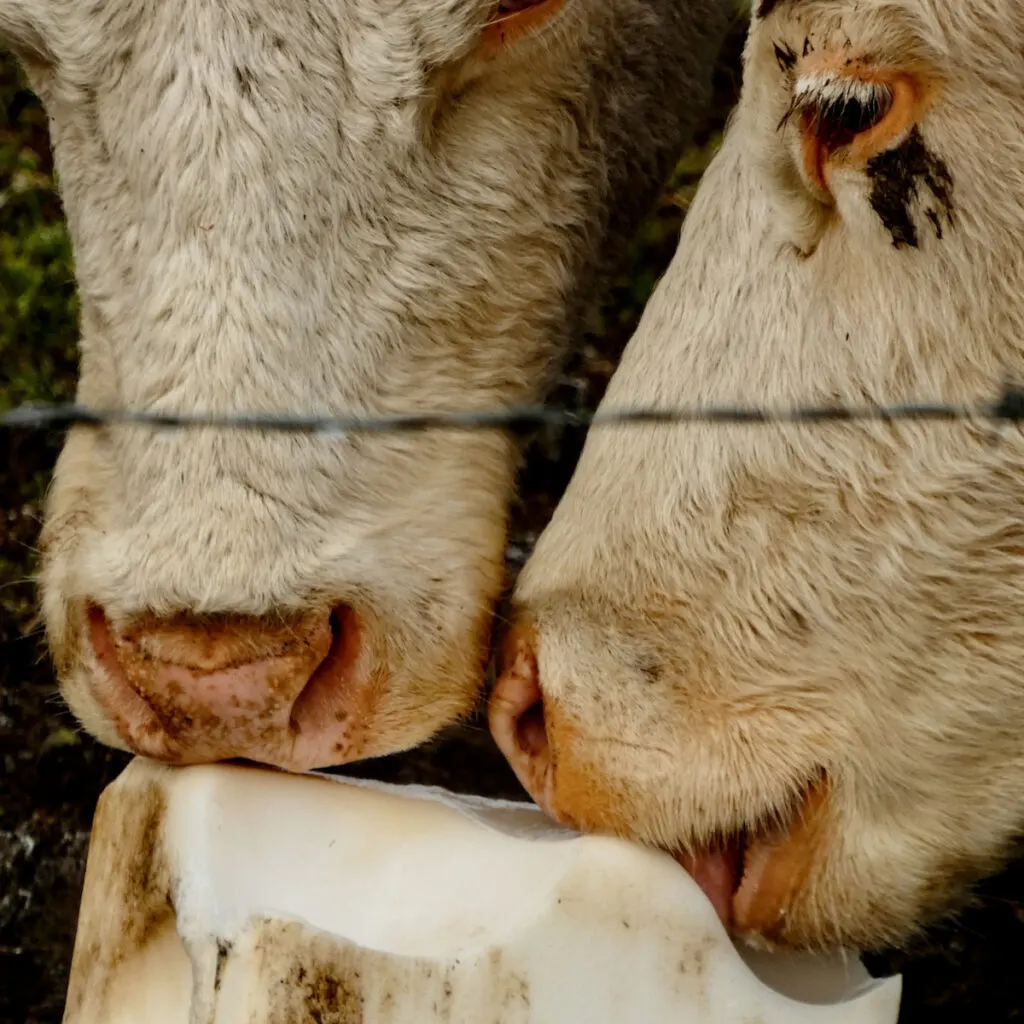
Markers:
1007,407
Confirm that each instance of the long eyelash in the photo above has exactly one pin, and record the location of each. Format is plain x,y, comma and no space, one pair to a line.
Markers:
829,92
839,107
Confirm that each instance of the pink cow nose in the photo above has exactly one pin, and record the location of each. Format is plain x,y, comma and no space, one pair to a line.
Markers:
290,693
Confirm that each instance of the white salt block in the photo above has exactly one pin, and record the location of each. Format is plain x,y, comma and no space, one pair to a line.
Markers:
223,895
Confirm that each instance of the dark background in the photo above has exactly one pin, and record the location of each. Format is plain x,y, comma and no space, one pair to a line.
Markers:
51,775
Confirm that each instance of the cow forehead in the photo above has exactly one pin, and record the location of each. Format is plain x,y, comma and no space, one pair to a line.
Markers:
377,41
310,20
301,14
956,30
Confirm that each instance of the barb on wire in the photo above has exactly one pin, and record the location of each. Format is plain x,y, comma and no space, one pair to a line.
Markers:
1007,407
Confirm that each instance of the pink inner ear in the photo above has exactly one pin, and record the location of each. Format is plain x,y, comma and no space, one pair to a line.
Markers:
509,10
514,18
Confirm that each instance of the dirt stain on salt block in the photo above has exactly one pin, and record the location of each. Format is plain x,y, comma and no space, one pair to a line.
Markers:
313,978
127,901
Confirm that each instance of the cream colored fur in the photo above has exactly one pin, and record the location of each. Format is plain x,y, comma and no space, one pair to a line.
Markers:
723,612
331,206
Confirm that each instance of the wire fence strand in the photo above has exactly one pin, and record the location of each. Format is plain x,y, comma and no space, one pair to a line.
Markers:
1007,407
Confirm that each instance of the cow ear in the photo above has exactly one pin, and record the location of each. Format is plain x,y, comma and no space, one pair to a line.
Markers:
25,28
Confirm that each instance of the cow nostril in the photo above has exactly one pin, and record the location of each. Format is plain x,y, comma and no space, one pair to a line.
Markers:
325,700
532,731
518,717
337,624
517,713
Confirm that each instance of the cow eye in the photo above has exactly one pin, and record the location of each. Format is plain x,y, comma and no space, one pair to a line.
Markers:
846,121
838,120
513,19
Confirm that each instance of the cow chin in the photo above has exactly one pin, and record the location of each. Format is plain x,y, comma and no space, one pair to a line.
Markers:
794,847
764,869
780,873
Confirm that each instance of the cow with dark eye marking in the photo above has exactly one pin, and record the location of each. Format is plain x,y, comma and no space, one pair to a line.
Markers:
348,206
793,653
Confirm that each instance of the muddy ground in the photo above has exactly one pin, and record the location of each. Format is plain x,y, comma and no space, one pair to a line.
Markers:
50,775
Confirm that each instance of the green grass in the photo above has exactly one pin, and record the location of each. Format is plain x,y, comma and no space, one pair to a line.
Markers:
38,304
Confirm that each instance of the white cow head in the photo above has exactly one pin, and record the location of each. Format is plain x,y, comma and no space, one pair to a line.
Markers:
347,206
793,653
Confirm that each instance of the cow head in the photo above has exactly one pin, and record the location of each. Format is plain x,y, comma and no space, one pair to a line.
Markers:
331,206
792,653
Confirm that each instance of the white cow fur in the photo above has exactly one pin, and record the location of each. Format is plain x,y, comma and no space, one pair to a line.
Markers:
331,206
721,614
